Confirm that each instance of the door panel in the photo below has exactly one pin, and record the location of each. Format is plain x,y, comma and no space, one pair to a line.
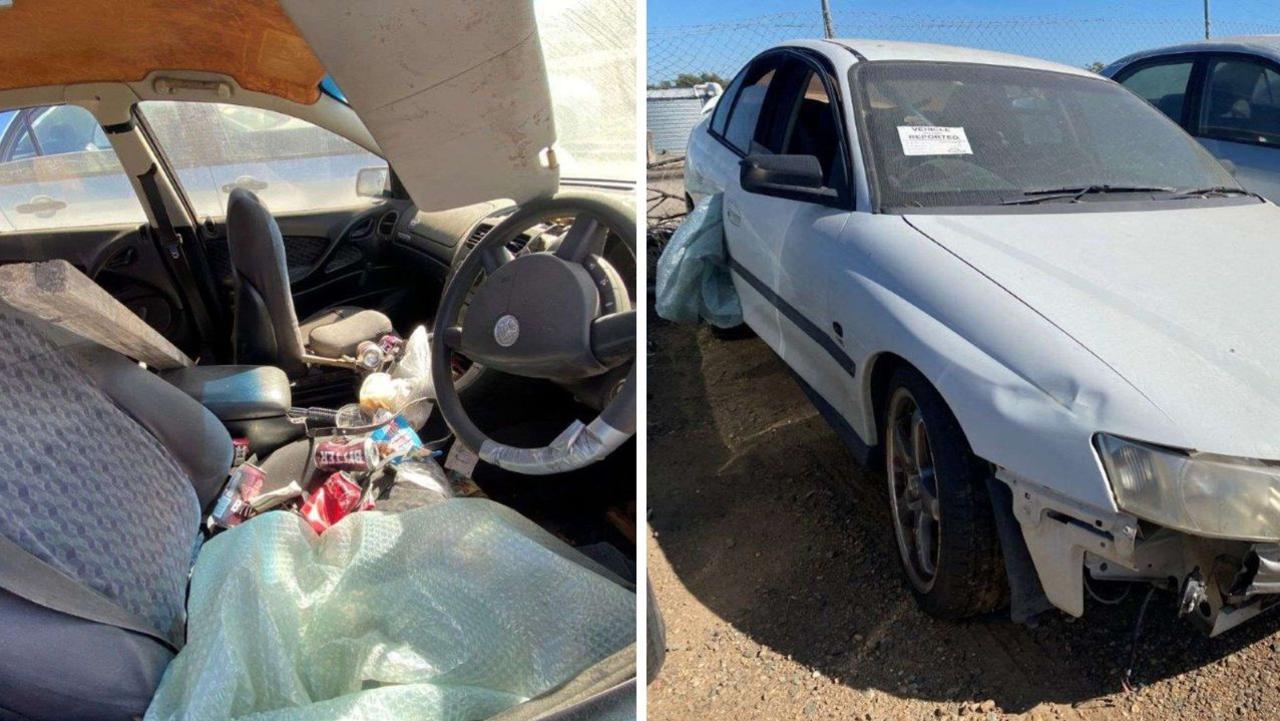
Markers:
126,262
1257,168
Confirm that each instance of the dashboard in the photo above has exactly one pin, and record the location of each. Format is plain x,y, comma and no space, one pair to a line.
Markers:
445,237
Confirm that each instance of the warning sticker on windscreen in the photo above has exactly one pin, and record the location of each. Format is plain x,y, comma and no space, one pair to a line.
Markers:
933,140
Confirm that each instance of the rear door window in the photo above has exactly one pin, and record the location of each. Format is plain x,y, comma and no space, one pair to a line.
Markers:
292,165
1241,102
746,107
1163,84
57,170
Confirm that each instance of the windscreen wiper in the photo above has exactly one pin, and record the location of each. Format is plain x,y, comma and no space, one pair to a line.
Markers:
1218,190
1042,195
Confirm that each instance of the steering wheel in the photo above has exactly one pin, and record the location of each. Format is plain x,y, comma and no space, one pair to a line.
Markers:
538,315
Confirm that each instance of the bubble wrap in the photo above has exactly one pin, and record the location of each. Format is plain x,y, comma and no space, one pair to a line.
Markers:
452,611
693,278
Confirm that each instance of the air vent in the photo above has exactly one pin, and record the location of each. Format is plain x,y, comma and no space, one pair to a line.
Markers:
518,243
478,234
387,223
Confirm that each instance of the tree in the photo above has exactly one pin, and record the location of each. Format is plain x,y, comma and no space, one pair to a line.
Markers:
688,80
1095,67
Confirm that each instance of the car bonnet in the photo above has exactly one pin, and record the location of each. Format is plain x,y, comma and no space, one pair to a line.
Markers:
1183,303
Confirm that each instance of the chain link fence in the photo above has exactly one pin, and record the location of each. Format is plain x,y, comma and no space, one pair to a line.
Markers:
723,48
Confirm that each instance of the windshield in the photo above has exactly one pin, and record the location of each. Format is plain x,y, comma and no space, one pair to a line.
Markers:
949,134
590,51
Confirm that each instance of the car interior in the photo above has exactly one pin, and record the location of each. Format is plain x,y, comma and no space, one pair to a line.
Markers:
281,279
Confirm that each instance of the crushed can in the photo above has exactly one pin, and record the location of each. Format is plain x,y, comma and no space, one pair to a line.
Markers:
240,451
347,454
333,500
233,506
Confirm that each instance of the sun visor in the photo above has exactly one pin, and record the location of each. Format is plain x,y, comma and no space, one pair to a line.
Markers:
454,92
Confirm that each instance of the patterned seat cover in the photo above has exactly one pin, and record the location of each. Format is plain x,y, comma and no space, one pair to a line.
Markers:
84,487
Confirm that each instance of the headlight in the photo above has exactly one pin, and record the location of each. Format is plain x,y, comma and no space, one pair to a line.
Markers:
1199,493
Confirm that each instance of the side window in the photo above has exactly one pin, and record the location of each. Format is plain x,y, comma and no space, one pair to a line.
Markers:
746,106
720,117
1241,102
291,164
814,130
1164,85
58,171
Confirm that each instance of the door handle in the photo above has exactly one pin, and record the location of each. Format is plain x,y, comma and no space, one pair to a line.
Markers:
42,206
123,258
731,214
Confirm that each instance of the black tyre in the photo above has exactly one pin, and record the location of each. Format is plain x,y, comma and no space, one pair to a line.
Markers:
942,516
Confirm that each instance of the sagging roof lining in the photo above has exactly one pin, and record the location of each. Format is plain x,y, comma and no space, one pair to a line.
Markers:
63,42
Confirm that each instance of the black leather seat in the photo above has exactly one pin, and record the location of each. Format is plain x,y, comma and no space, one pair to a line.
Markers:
266,328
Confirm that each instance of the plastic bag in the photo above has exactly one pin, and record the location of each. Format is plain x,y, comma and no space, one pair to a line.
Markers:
456,610
693,272
404,389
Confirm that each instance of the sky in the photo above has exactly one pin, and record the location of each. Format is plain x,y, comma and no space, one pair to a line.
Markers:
1075,32
664,13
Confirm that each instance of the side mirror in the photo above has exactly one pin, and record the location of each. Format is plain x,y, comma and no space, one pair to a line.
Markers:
798,177
373,182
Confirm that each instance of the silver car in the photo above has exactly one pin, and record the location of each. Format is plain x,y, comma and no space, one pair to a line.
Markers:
1225,93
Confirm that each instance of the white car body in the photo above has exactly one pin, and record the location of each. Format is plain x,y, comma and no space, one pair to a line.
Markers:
1257,164
1039,330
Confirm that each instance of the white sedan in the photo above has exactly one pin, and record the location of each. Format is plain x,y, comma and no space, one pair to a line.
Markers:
1043,307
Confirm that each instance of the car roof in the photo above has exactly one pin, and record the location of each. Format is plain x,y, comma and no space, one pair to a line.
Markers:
869,49
1265,45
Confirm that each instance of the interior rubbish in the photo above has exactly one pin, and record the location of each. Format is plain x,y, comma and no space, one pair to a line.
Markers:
693,271
455,610
406,387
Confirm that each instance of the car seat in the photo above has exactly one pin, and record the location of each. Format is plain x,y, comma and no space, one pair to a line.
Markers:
265,329
107,472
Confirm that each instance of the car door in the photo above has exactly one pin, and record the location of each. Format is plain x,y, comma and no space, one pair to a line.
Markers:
1238,118
810,248
751,237
64,195
336,241
775,242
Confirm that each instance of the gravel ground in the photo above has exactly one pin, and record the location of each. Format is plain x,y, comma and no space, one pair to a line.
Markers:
771,555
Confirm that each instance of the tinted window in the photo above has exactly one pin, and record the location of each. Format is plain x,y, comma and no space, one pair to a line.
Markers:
721,114
67,129
946,134
291,164
1242,102
746,107
1164,85
68,177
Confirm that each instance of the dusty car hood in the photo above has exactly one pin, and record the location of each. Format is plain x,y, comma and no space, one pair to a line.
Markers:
1184,304
455,92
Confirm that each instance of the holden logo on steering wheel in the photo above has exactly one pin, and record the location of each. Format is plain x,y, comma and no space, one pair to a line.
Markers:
506,331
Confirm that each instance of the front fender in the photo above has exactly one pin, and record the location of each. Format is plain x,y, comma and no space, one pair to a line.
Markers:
1028,397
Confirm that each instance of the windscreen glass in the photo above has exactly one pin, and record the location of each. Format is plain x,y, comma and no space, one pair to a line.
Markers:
948,134
590,50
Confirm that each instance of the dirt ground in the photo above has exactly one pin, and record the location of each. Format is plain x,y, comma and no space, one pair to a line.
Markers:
773,562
